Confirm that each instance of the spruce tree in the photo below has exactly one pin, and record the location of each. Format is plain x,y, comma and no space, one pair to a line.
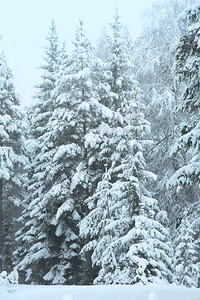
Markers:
123,187
48,252
187,70
12,162
77,122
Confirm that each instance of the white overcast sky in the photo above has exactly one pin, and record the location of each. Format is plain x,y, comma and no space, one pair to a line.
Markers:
24,25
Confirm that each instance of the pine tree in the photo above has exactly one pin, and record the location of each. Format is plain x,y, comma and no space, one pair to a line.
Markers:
12,162
187,270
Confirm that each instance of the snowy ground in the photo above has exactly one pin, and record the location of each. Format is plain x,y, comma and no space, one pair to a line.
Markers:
136,292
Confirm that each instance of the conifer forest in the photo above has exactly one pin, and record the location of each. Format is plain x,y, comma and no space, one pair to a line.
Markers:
100,176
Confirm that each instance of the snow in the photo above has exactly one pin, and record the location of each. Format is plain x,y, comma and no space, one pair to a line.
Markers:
66,297
66,151
190,10
153,296
84,106
92,140
66,206
102,292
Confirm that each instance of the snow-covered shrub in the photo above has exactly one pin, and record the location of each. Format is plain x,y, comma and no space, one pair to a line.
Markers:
8,281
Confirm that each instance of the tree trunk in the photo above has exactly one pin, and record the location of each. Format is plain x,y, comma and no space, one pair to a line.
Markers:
89,253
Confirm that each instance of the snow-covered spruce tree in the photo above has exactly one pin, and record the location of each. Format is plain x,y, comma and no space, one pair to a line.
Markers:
11,165
38,116
118,197
187,69
77,123
49,251
187,269
154,59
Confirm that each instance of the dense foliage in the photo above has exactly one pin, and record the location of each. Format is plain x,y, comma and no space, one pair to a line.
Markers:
110,190
12,161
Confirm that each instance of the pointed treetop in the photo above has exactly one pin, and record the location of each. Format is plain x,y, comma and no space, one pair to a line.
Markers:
3,65
82,45
80,33
6,83
52,49
52,34
116,25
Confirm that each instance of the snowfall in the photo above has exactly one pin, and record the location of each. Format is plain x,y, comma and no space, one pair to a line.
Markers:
101,292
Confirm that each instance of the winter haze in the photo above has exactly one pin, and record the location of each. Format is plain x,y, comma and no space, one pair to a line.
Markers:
100,175
24,26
